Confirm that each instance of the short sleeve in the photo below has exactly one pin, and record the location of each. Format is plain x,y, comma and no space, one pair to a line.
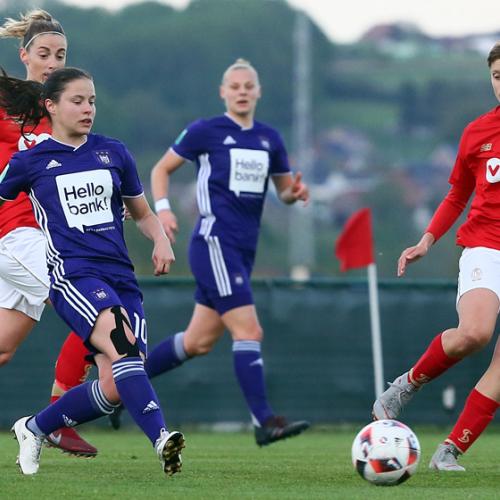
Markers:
191,141
131,184
13,179
279,157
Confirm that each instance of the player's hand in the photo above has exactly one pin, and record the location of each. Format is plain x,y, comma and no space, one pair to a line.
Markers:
412,254
163,256
126,214
299,190
169,222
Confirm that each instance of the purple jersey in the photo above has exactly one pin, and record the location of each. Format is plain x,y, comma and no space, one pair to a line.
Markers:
234,165
77,200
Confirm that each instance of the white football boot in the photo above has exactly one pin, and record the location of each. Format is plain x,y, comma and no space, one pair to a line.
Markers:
30,447
168,447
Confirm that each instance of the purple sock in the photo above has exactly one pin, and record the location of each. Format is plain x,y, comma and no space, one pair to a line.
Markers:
249,369
167,355
138,396
81,404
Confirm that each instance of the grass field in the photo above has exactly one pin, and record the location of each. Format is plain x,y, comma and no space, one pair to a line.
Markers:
231,466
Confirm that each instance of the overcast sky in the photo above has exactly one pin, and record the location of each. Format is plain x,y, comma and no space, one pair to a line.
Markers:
346,20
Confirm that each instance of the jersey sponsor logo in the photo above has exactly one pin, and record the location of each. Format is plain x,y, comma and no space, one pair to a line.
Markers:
486,147
53,164
465,437
29,140
493,170
86,198
249,168
229,140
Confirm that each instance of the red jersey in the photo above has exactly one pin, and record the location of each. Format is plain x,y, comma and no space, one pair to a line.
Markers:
477,167
17,213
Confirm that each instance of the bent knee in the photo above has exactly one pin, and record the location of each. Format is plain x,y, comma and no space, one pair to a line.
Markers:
5,357
473,339
199,348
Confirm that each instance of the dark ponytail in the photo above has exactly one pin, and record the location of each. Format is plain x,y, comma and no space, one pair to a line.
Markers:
22,100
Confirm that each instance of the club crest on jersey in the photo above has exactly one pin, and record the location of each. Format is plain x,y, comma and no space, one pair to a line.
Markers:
100,294
103,157
265,143
493,170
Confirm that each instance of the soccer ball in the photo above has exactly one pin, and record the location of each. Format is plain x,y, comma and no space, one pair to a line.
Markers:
386,452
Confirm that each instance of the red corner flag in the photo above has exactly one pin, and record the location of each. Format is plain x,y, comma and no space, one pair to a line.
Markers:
354,246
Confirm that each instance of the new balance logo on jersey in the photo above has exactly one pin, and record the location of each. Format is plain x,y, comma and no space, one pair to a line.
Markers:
229,140
151,406
486,147
52,164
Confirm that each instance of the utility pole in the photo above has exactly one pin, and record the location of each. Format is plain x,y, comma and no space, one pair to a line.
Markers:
301,230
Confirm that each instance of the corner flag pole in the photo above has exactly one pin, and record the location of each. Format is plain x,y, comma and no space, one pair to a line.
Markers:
378,365
355,249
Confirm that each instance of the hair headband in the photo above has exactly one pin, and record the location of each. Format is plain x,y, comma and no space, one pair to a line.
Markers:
44,33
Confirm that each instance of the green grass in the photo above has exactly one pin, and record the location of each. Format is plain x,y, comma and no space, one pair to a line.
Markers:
316,465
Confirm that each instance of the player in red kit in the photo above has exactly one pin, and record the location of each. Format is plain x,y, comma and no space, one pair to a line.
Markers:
24,284
477,168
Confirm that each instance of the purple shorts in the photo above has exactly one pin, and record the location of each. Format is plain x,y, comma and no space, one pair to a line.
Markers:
222,273
79,300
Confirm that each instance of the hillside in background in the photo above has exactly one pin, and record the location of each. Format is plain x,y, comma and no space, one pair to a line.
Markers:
387,113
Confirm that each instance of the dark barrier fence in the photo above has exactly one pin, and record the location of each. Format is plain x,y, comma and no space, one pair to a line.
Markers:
317,353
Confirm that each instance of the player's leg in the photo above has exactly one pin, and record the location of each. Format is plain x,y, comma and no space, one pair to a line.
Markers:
113,336
477,311
16,326
202,333
479,410
477,306
246,332
72,368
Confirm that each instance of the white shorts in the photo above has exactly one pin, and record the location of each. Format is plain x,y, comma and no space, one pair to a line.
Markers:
24,281
479,268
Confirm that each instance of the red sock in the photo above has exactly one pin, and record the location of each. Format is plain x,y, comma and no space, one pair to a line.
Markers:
478,412
71,366
433,362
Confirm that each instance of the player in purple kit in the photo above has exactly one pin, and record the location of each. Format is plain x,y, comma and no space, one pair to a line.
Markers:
235,156
77,183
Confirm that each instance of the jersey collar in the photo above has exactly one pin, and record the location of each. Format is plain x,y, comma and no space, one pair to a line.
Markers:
238,124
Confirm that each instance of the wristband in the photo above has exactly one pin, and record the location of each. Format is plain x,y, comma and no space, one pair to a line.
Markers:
162,204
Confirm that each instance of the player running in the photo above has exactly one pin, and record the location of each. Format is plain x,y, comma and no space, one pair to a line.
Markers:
24,284
477,168
77,182
235,157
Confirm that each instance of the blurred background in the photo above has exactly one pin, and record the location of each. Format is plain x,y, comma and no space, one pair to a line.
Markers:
372,119
371,122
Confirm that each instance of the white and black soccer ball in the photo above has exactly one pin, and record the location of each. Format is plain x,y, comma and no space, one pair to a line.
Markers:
386,452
